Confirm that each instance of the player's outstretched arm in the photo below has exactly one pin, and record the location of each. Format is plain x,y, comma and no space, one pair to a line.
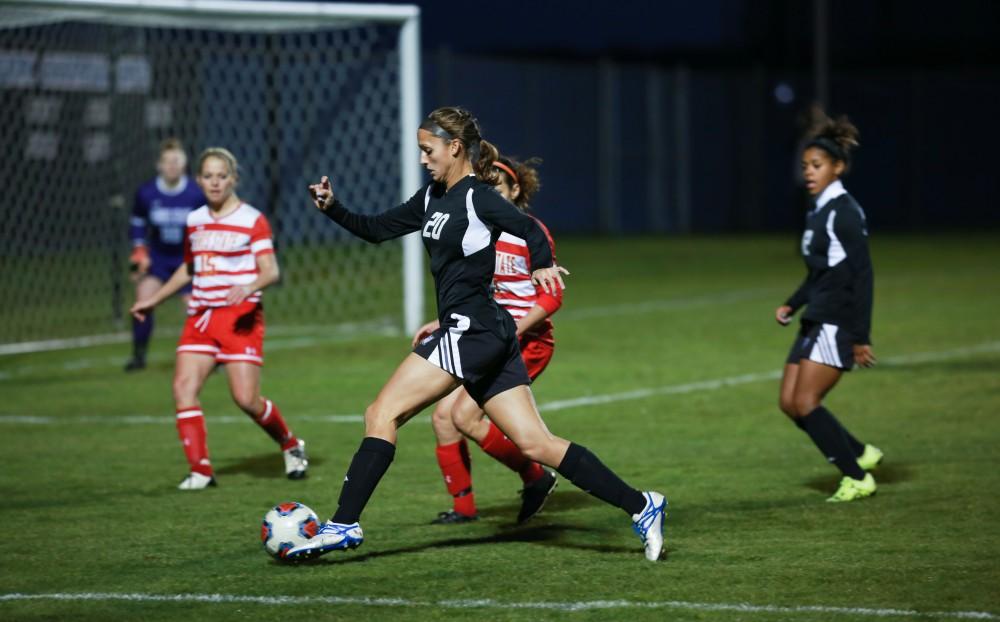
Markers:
177,280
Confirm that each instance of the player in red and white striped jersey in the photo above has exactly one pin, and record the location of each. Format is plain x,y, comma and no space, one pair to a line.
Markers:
229,257
458,414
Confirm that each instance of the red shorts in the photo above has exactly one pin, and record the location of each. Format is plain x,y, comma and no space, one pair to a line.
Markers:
228,333
536,355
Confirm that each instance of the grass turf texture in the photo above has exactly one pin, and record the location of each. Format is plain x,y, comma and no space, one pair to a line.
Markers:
90,506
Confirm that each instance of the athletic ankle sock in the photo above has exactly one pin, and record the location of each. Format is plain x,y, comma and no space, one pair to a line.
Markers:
457,477
587,472
368,466
506,452
141,332
273,423
828,436
194,438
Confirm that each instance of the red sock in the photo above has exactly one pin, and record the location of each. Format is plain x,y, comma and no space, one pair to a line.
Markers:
274,424
191,428
457,476
505,451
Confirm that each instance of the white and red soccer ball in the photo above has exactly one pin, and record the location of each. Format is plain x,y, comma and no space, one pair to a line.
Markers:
286,526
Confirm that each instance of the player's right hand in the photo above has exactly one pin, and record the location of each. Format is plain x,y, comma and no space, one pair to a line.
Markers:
322,194
783,315
425,330
139,309
139,262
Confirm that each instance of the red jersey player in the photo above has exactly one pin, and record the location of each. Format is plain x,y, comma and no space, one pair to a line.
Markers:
457,414
229,257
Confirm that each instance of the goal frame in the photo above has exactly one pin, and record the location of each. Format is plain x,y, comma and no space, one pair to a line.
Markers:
263,15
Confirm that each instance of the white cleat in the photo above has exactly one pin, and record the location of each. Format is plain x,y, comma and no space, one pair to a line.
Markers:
649,524
196,481
330,537
296,461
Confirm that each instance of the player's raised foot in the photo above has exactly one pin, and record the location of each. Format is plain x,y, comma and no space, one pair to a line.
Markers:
854,489
196,481
870,458
649,524
296,461
136,363
451,517
330,537
533,495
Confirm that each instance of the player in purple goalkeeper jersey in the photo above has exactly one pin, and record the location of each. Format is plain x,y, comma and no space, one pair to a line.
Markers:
156,229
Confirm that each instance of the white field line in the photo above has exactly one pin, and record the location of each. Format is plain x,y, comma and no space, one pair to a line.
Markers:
589,400
312,334
591,605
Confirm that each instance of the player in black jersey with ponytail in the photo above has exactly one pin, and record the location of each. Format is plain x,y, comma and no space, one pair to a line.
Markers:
836,324
460,216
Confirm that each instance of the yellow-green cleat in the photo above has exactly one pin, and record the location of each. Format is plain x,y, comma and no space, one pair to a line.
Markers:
871,458
854,489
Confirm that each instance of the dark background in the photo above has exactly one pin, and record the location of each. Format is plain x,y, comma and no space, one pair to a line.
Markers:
666,116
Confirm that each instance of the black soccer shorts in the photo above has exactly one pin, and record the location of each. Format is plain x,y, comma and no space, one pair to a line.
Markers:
486,363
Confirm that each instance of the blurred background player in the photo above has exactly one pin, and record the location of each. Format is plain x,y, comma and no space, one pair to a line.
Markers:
156,229
530,306
229,256
838,289
459,216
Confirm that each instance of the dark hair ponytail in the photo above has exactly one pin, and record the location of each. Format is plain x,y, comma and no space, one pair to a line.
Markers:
483,166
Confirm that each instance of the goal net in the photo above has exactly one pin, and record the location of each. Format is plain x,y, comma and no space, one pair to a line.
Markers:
89,88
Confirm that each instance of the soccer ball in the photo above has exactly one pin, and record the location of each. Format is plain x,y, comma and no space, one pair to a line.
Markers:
287,526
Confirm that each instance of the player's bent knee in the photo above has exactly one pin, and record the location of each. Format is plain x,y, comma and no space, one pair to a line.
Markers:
805,404
379,419
787,406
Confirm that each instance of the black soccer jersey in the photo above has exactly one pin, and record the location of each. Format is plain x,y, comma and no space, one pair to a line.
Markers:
459,228
839,285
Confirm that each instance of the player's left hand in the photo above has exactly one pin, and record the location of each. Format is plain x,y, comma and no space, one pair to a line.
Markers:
863,356
549,278
237,294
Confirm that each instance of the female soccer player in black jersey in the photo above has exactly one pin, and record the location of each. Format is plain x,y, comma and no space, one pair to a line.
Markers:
460,216
837,322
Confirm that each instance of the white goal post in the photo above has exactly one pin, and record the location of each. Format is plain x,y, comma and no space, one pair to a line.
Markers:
89,88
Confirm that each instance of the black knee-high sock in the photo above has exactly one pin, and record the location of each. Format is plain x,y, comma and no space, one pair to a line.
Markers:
586,471
857,447
367,467
826,433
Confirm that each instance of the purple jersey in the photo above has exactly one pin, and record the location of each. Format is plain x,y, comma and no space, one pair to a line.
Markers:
159,216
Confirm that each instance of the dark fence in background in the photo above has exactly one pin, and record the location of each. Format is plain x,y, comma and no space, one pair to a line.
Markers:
641,147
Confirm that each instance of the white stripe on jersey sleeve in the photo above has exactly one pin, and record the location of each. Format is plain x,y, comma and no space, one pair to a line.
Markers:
477,236
835,254
261,245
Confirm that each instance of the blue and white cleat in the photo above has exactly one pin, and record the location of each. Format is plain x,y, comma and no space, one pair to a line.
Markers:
649,524
330,537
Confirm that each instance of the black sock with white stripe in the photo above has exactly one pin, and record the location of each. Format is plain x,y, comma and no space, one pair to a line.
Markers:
828,435
368,466
587,472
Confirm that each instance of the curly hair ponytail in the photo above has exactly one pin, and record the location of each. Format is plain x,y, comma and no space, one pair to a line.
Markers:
838,137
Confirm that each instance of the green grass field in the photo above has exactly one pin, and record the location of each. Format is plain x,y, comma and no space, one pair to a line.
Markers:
95,528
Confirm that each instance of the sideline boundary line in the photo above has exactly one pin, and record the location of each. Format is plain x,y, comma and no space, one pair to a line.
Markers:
494,604
553,406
